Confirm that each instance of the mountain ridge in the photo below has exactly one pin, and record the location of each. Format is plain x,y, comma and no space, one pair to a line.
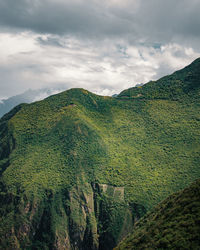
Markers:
183,83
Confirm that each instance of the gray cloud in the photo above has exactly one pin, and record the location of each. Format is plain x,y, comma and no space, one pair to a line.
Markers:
61,17
152,20
106,67
50,41
104,46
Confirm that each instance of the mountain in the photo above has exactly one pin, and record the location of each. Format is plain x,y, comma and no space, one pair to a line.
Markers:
27,97
77,170
182,84
173,224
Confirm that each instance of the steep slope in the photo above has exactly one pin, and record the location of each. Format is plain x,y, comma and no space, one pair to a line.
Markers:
77,169
173,224
182,84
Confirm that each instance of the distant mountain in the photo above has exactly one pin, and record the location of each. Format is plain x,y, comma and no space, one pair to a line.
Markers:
77,170
27,97
173,224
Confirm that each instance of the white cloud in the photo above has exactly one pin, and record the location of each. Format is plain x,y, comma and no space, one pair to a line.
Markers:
2,98
104,46
12,44
105,67
43,94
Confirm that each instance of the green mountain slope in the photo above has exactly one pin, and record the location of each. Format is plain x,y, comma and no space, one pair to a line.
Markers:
173,224
78,169
182,84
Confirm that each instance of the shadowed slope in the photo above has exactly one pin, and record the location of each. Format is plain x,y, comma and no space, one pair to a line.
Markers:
173,224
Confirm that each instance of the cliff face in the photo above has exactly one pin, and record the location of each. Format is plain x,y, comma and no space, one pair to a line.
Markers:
92,216
77,169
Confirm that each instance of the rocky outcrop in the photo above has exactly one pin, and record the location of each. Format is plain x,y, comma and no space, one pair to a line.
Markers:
92,216
97,217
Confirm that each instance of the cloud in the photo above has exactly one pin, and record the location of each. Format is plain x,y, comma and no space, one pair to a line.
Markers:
43,93
104,46
152,20
59,17
41,61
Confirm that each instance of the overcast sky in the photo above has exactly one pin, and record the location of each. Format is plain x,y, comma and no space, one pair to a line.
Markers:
104,46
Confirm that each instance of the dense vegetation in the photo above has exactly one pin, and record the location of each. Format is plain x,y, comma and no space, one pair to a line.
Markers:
178,86
173,224
55,151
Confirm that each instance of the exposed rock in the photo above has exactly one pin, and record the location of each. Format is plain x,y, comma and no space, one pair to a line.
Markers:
93,216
